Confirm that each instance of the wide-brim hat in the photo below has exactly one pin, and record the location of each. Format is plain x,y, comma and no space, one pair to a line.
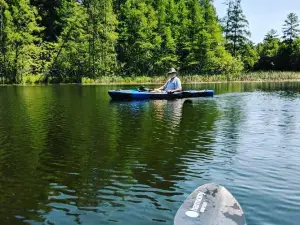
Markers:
172,70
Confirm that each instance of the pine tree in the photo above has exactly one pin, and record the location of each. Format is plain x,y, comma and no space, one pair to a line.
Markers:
291,27
3,7
22,39
211,22
295,55
271,44
198,37
215,52
87,43
102,44
139,37
166,55
236,27
288,57
268,51
49,17
249,55
71,58
182,35
200,42
271,35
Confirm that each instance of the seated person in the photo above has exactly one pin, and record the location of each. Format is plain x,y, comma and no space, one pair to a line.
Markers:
172,85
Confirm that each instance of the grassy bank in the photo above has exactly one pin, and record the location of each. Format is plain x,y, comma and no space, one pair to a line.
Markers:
244,77
187,79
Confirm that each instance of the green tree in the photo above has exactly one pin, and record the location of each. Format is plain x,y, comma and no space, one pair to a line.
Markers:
295,55
86,46
215,55
71,58
182,34
268,51
23,43
287,57
3,7
139,37
291,27
197,38
250,56
166,55
49,18
236,27
271,35
202,40
103,37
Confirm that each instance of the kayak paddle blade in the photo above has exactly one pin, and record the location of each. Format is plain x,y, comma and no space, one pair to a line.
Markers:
210,204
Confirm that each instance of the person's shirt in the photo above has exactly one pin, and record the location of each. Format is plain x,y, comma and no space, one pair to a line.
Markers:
172,84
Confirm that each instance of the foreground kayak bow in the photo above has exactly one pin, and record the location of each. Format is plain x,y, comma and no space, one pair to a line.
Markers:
210,204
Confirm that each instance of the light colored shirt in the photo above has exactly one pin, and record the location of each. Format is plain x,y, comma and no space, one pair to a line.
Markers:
172,84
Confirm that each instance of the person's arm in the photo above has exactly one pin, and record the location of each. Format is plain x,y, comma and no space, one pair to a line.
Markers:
162,87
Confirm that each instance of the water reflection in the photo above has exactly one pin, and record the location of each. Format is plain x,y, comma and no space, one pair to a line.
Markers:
78,162
165,131
70,156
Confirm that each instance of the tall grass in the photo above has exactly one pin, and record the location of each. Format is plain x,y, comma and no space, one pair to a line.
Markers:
105,80
270,76
250,77
124,80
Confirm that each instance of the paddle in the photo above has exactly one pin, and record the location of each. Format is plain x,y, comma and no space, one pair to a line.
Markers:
210,204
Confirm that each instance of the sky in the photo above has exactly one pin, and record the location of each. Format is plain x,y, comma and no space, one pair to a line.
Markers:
263,15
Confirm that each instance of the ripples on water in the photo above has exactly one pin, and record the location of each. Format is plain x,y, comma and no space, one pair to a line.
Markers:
70,156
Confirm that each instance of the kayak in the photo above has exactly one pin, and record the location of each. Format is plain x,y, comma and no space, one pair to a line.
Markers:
210,204
140,95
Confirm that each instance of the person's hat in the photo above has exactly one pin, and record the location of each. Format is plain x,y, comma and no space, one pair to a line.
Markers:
172,70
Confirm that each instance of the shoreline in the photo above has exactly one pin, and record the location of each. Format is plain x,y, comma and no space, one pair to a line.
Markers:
147,83
251,77
188,83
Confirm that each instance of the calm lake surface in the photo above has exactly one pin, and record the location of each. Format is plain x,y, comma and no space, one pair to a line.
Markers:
68,155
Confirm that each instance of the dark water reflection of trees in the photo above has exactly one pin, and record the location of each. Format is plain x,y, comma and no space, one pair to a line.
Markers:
64,147
162,132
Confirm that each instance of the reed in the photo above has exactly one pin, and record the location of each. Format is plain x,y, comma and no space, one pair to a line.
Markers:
246,77
187,79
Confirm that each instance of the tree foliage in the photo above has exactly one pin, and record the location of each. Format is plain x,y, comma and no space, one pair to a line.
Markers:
281,54
291,27
237,35
65,40
21,42
236,27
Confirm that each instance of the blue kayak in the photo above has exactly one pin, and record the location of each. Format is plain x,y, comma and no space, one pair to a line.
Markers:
140,95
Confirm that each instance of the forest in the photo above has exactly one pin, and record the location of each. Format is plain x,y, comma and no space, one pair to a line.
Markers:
44,41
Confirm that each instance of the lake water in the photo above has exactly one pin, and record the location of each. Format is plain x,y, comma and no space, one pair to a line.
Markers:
68,155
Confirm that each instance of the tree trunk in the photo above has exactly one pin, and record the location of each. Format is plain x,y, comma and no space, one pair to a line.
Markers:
15,74
2,39
89,32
